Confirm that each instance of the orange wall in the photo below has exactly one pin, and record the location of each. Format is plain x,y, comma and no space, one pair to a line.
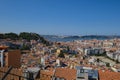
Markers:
13,58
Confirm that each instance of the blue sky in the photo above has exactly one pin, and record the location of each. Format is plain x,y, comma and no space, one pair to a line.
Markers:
60,17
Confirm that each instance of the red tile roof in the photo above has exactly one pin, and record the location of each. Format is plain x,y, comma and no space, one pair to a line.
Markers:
66,73
107,75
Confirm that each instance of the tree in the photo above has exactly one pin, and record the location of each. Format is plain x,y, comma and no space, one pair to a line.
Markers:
61,55
98,60
33,36
108,64
1,36
25,35
68,48
117,61
25,47
11,35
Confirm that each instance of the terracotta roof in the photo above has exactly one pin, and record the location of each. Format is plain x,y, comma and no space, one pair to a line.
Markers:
68,74
47,72
3,47
107,75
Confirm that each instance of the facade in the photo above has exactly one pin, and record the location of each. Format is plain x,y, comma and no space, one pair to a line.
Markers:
114,55
86,73
80,73
10,58
93,51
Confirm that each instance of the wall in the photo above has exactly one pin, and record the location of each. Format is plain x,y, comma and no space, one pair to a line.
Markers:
13,58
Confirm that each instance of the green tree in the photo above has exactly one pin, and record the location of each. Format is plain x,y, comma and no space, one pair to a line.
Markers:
33,36
11,35
1,36
98,60
25,35
68,48
61,55
25,47
108,64
117,61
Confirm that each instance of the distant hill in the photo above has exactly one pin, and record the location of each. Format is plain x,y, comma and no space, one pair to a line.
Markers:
71,38
75,37
96,36
24,35
93,37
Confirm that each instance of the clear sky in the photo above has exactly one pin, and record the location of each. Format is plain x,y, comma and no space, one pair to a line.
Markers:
60,17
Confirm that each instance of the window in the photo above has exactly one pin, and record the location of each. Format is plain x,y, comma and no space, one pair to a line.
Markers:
82,71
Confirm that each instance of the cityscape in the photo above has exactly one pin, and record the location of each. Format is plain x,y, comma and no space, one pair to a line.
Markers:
60,40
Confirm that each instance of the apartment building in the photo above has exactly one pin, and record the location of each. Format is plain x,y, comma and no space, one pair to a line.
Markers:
93,51
10,57
114,55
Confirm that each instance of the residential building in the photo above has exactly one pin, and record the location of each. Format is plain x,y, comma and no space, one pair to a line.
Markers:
10,57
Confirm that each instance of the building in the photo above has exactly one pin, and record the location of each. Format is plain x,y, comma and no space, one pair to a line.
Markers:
80,73
94,51
114,55
86,73
10,58
107,75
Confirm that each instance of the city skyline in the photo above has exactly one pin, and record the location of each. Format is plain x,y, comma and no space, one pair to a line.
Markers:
61,17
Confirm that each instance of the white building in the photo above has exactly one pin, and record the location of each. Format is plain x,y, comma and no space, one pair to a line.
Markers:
114,55
93,51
